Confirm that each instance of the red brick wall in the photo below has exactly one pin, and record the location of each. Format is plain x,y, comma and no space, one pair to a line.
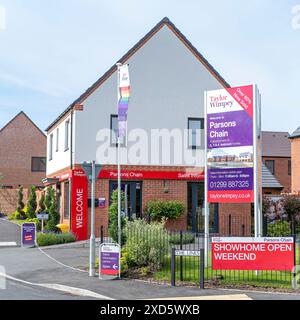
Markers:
295,153
281,171
19,141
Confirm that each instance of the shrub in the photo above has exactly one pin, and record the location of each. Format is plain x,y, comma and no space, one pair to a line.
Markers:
113,217
42,206
48,239
186,238
146,243
31,204
279,229
158,209
54,216
21,205
36,221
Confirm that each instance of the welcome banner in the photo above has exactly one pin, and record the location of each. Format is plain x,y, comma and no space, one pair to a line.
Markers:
79,207
230,152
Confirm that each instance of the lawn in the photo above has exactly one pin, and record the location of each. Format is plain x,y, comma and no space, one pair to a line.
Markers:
275,279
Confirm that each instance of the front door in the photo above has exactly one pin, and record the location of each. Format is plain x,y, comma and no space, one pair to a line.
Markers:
196,209
132,197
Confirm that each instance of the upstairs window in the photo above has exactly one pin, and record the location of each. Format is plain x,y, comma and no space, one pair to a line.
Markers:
114,129
270,164
51,147
67,125
57,139
195,133
38,164
289,167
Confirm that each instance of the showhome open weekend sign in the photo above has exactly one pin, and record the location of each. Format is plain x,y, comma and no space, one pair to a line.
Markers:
261,253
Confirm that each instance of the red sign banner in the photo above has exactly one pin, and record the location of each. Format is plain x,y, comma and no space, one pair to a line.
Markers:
155,175
79,207
236,253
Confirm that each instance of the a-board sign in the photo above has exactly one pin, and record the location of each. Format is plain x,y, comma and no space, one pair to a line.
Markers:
28,234
43,215
245,253
192,253
109,256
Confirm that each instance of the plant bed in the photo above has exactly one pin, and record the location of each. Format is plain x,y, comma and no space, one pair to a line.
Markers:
49,239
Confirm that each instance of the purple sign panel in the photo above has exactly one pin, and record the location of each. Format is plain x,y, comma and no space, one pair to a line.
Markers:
230,158
229,129
109,260
28,234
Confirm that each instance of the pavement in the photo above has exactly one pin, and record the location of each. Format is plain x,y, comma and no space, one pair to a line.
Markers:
57,273
9,232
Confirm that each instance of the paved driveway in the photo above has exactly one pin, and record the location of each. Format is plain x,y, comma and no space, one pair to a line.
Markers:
9,232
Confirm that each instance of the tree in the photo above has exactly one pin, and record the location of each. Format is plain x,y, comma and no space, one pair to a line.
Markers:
48,198
42,205
54,216
113,217
21,204
291,206
32,203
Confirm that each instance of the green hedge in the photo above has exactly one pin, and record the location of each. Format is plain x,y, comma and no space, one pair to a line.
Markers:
159,209
186,238
49,239
279,229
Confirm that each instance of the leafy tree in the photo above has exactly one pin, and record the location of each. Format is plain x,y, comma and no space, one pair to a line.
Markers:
32,203
113,217
291,206
21,205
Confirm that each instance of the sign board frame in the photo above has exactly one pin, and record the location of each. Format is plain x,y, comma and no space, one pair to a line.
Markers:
187,253
115,250
33,243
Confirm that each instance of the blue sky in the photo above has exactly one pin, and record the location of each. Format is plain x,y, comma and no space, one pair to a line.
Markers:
52,51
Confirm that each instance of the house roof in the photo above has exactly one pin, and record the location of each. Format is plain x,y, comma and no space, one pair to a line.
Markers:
268,179
26,116
165,21
276,144
295,134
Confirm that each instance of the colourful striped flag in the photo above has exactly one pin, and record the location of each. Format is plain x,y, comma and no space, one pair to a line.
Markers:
124,93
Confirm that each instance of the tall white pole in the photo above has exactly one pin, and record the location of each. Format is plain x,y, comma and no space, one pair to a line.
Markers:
257,211
92,238
206,204
119,175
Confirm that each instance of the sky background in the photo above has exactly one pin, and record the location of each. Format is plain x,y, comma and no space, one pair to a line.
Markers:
53,50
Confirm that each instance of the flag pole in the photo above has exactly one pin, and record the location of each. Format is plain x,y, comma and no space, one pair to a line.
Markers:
119,174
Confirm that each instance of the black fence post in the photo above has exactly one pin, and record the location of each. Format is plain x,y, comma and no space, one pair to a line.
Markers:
101,235
173,271
201,276
181,267
229,225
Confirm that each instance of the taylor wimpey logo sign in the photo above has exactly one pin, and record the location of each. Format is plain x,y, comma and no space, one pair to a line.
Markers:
268,253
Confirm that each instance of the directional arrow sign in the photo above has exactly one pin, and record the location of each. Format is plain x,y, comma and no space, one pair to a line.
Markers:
109,259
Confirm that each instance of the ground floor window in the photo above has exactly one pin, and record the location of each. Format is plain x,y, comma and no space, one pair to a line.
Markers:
133,197
67,200
195,212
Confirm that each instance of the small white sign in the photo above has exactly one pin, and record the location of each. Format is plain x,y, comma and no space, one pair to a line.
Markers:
193,253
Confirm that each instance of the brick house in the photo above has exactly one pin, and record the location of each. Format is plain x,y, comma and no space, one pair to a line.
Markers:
168,80
22,157
276,156
295,167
